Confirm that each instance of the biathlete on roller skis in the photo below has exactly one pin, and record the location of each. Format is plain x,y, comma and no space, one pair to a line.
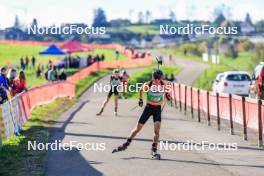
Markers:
157,93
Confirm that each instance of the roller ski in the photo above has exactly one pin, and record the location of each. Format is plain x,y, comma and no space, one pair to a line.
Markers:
100,113
154,153
122,147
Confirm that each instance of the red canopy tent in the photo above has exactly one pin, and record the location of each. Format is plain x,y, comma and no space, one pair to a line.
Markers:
74,46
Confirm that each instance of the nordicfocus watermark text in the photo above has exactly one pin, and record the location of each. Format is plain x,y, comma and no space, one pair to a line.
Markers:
66,30
190,29
71,145
99,87
190,145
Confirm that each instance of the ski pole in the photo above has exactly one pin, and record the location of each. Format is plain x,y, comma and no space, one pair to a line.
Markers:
163,106
134,108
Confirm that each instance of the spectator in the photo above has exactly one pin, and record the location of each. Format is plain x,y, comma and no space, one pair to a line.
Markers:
11,76
33,62
116,55
47,71
89,59
173,78
97,58
38,71
26,62
102,57
19,84
62,75
50,64
22,63
3,86
170,58
69,61
52,74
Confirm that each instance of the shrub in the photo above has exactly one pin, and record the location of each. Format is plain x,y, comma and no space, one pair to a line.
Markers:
245,45
231,51
258,54
191,48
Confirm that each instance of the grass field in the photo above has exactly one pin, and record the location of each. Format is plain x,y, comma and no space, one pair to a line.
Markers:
243,63
150,29
142,29
10,55
85,83
146,75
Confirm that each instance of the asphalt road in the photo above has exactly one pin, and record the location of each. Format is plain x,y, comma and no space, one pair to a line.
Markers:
81,125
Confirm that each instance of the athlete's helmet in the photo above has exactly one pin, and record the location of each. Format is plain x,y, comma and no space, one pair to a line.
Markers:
115,71
157,74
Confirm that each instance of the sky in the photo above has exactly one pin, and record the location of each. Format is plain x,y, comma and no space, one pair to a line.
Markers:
49,12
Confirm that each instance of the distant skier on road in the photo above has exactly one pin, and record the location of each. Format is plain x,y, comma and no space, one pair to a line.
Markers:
115,82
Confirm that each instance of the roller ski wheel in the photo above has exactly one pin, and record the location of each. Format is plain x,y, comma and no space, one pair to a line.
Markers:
119,149
156,156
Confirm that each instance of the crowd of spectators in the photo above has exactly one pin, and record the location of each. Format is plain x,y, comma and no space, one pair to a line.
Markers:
13,80
24,62
54,74
94,58
11,83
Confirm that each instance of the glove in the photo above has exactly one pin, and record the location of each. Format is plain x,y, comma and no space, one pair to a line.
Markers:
168,97
140,102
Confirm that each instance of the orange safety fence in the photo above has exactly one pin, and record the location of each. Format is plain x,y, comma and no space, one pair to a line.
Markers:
46,94
203,101
247,115
15,112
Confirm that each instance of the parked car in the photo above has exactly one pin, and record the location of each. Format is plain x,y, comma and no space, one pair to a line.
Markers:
232,82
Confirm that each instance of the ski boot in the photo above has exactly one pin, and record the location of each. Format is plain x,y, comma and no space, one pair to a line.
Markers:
122,147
